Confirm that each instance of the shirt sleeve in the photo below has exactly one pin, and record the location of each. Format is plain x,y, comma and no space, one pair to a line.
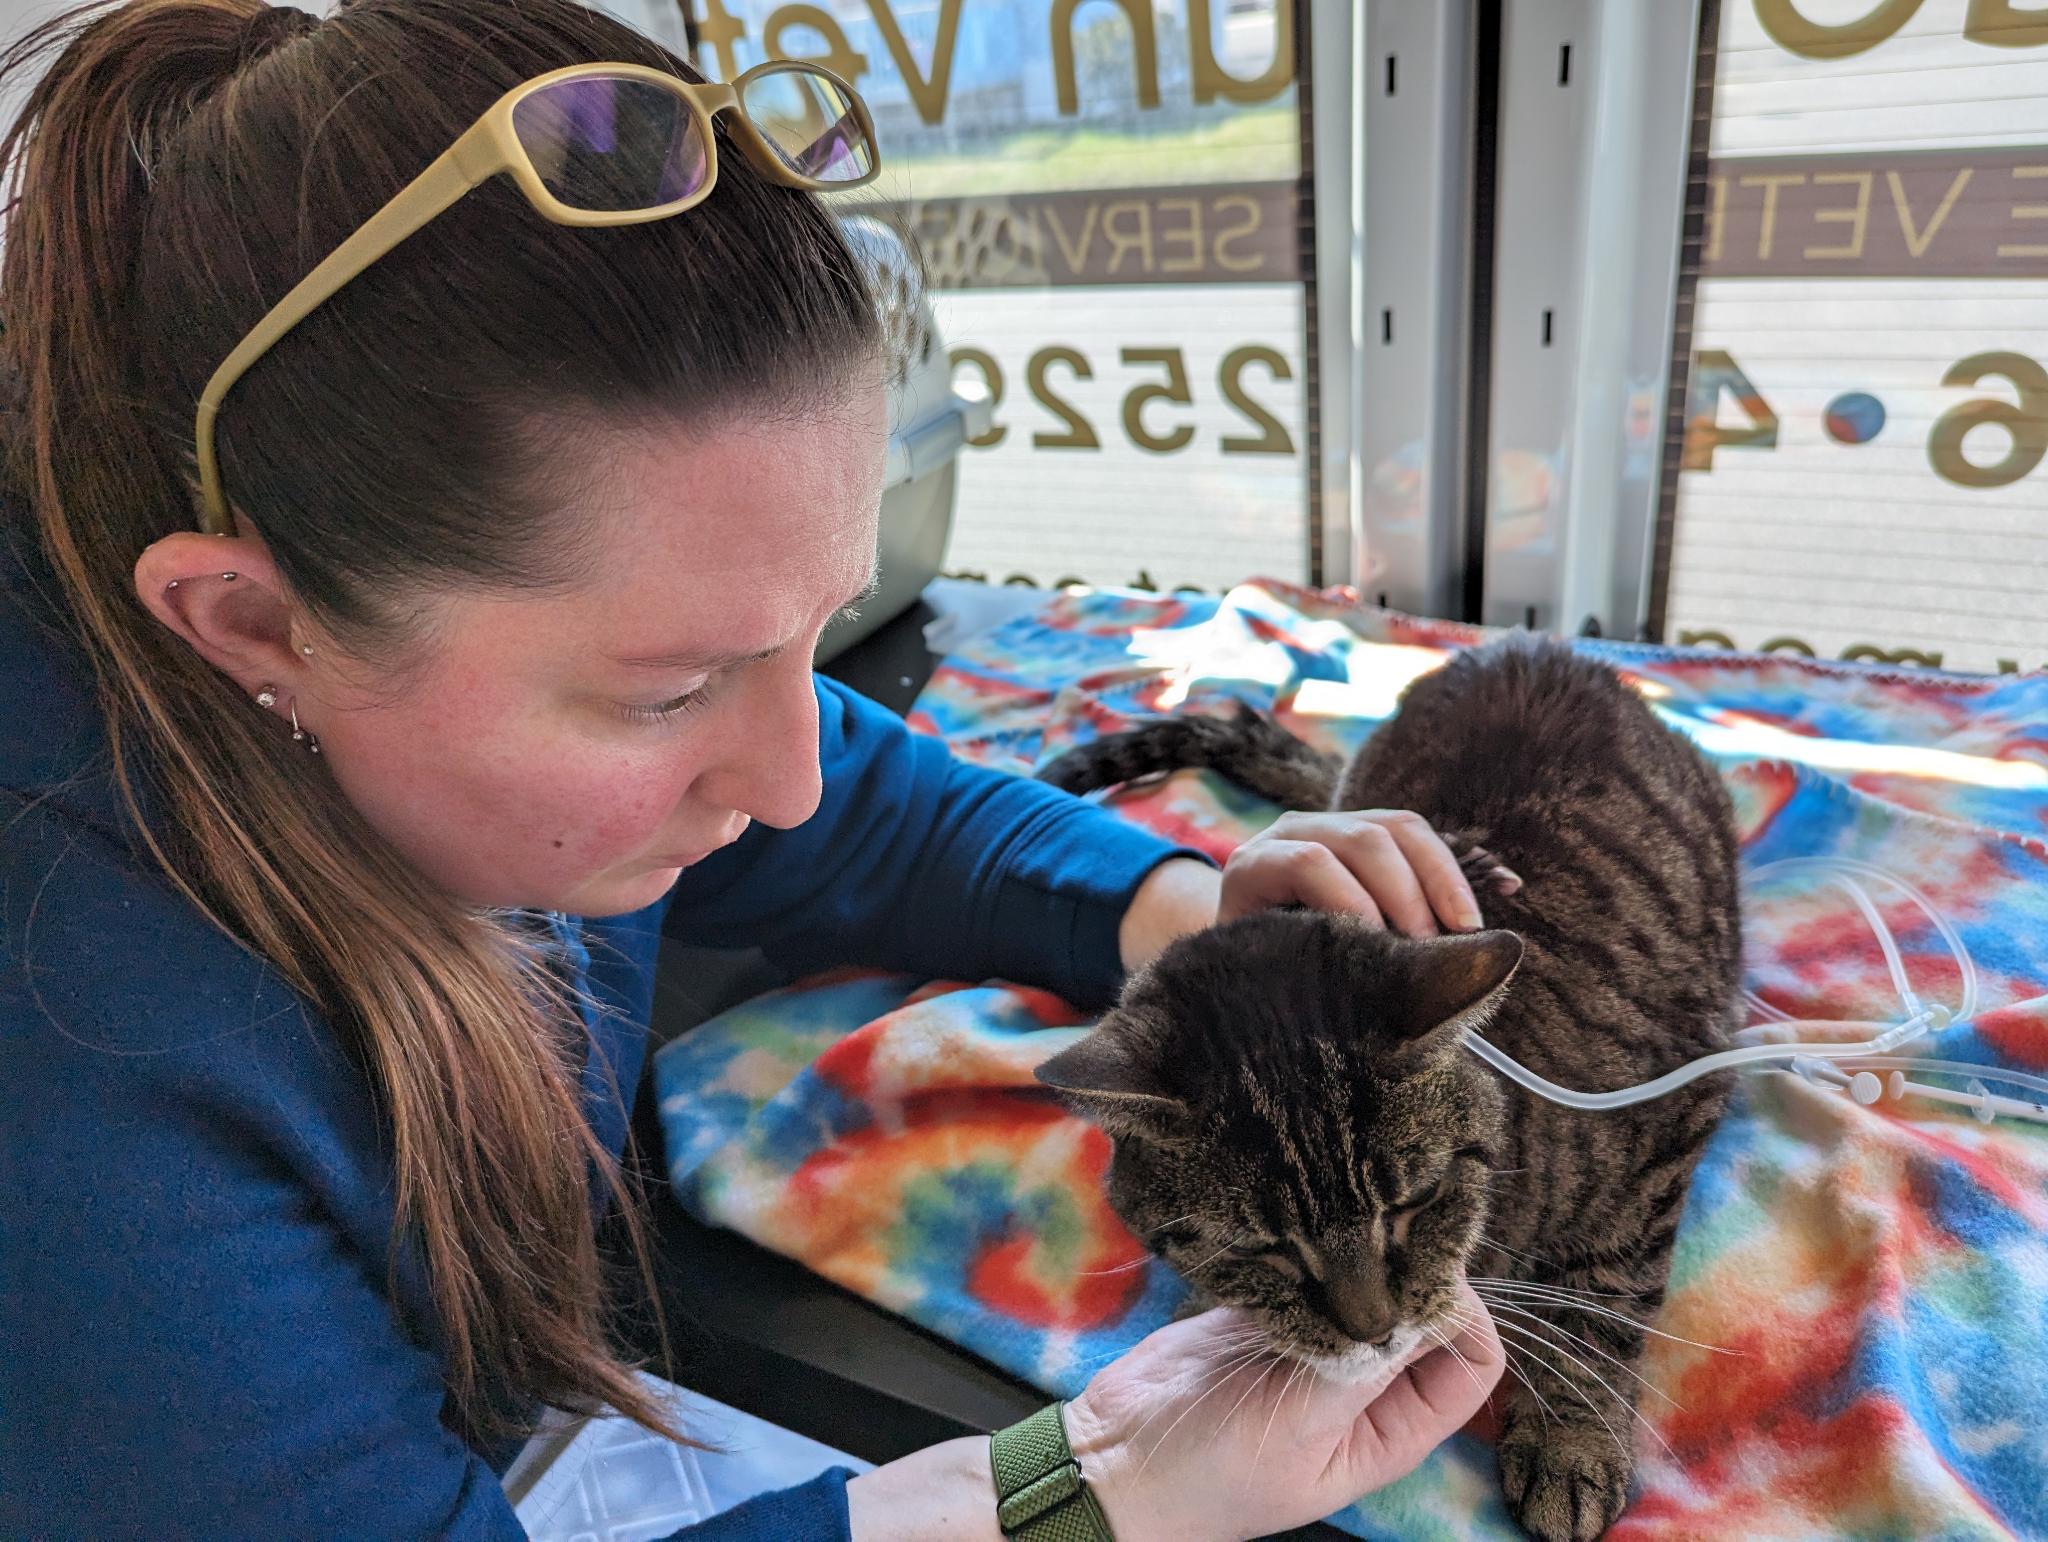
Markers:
918,861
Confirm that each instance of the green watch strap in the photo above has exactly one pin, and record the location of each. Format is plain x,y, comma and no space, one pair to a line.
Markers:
1040,1493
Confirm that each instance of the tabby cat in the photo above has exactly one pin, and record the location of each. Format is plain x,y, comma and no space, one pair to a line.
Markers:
1297,1128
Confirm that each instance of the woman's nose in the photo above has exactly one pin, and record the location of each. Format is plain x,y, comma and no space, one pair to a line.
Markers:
769,770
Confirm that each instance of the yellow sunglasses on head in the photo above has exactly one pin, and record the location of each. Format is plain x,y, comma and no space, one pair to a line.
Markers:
593,144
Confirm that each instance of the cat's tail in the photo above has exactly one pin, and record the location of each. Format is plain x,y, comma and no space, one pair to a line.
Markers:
1253,751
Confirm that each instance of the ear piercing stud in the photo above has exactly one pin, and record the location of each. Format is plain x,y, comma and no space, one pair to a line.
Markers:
267,697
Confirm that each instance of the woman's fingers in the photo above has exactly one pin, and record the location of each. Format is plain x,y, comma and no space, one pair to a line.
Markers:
1392,854
1387,865
1435,869
1200,1431
1433,1397
1273,871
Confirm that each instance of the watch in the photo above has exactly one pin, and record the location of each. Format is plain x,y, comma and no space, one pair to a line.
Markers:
1041,1495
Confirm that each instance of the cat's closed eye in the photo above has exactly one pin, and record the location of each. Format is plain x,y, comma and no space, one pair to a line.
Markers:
1271,1252
1428,1192
1401,1216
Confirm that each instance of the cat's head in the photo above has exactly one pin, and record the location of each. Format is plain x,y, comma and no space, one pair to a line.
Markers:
1297,1128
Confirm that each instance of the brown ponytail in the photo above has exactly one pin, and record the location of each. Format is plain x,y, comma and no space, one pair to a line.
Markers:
179,165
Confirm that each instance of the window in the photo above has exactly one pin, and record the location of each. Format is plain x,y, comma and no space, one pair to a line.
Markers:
1108,195
1868,405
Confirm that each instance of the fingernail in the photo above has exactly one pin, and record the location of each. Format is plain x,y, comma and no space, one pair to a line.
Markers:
1507,881
1469,919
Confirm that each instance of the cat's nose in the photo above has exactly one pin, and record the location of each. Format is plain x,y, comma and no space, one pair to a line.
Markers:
1361,1309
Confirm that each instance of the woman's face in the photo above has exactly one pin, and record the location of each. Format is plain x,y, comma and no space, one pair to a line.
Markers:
576,750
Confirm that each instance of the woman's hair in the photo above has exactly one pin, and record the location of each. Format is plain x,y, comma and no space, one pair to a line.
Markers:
177,168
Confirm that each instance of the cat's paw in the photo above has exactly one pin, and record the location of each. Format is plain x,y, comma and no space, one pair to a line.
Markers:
1563,1484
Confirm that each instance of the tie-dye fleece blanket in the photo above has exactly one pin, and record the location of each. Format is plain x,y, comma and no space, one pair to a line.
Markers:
1879,1274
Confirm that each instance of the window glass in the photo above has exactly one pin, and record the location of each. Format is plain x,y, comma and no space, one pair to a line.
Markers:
1106,193
1862,470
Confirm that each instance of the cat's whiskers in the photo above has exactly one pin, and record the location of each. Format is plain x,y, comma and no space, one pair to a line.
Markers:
1502,1306
1502,1247
1635,1412
1236,1365
1507,1355
1191,1268
1234,1339
1258,1381
1561,1296
1136,1263
1569,1385
1443,1339
1299,1367
1611,1295
1176,1385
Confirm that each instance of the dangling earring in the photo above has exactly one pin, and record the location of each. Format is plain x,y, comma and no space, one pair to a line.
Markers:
300,736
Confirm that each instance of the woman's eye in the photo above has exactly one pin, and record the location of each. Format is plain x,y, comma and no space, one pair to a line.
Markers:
665,711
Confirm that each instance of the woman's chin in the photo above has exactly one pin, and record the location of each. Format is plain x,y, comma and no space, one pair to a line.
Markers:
618,894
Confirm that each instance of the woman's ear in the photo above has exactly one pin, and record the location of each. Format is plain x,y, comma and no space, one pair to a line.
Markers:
224,596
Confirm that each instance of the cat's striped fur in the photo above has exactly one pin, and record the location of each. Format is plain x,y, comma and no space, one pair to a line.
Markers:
1301,1033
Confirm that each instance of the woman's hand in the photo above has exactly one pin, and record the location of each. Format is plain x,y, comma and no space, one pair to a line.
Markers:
1387,865
1186,1438
1191,1437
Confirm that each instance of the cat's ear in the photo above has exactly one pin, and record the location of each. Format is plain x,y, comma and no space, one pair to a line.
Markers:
1454,982
1114,1084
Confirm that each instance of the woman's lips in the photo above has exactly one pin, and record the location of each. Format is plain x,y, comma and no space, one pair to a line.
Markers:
692,861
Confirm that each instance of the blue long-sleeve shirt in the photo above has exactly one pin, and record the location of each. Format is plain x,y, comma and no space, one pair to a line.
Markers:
196,1334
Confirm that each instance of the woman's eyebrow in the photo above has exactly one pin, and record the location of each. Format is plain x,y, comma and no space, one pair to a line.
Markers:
691,658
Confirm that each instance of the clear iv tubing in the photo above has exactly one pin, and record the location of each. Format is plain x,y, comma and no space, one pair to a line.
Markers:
1834,867
1922,1019
1929,1020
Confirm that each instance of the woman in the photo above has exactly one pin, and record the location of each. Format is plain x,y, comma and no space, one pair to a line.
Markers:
357,743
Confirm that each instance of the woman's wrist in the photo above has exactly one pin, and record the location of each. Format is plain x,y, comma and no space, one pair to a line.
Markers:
944,1493
1103,1467
1178,896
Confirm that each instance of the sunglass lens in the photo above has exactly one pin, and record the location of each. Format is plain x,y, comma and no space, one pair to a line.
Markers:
810,122
602,144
